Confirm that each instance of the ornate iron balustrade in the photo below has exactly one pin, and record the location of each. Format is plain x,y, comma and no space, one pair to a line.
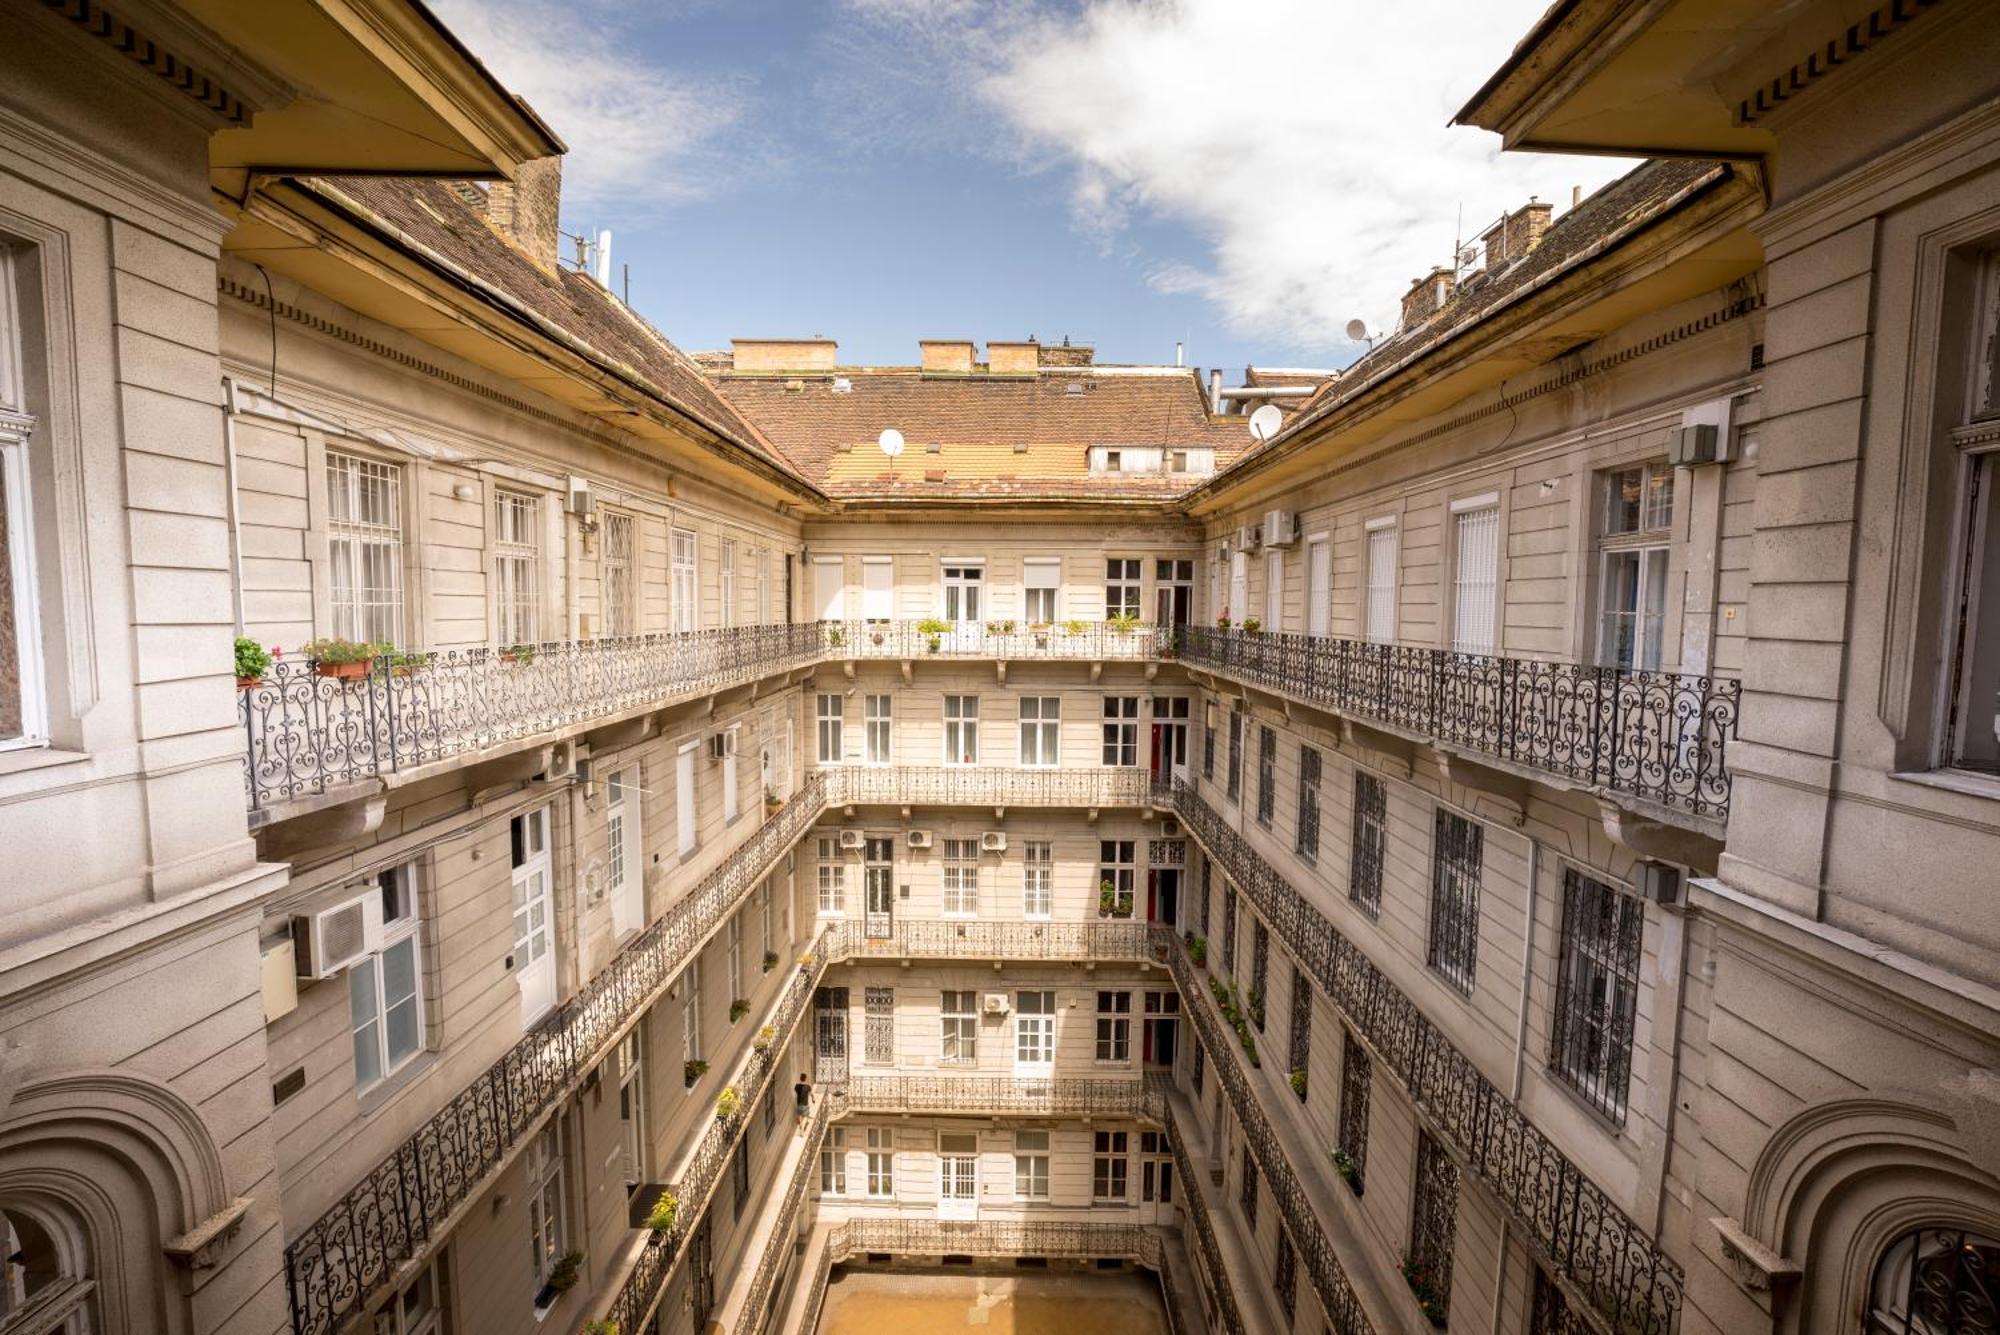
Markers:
335,1265
993,1237
646,1283
1076,641
1655,735
1607,1260
987,786
978,1094
1194,1207
1109,939
778,1246
1315,1249
306,733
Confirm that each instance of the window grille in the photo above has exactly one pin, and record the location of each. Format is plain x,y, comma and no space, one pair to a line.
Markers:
516,566
1433,1225
1364,880
1305,841
365,547
1454,926
1597,991
1355,1073
1267,774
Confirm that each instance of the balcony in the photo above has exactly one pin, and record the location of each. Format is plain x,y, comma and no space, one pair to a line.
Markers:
1656,736
983,1095
993,786
1004,640
1114,939
1604,1260
308,734
336,1264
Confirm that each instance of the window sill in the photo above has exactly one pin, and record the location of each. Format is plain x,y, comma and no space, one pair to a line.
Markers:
25,759
370,1101
1969,782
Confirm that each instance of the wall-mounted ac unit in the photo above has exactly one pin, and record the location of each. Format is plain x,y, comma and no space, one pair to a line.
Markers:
562,763
1691,445
326,942
721,744
1281,528
920,838
1169,826
581,503
993,841
1246,540
850,839
996,1003
1660,882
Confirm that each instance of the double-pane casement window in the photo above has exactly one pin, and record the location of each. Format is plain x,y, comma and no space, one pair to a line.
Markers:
1433,1224
517,525
385,989
691,1013
961,878
829,713
1267,774
548,1210
1364,869
1302,1018
728,581
1041,729
1034,1032
364,529
686,581
1455,870
23,708
1247,1192
1108,1165
1379,614
1031,1165
1121,729
1038,871
961,730
1235,788
1041,576
1122,596
962,585
620,592
875,722
1117,876
1597,991
833,1162
1274,590
881,1162
1208,741
1475,541
1637,525
1306,842
1114,1026
959,1028
1352,1132
1969,724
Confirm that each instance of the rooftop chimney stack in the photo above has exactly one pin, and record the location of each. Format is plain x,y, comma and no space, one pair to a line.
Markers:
1010,358
526,208
1427,295
782,354
1516,234
1065,355
946,356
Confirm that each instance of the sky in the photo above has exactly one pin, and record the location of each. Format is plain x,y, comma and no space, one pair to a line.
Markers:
1241,176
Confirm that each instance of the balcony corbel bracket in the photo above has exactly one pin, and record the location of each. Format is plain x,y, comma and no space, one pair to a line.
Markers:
618,736
1756,1267
330,826
1509,788
1096,670
847,668
1000,670
1657,839
203,1246
1152,669
1090,813
999,813
909,672
710,703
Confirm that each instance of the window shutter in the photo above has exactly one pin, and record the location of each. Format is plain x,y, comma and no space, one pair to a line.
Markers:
1476,540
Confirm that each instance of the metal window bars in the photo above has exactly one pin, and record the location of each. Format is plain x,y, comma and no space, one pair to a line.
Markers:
1597,991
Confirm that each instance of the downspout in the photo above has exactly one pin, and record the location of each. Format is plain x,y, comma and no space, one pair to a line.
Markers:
1520,1056
235,508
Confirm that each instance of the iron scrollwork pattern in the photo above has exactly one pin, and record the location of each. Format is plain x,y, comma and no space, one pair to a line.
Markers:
1656,735
989,785
1587,1241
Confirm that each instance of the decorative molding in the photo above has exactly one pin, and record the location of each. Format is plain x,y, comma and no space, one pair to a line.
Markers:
1816,64
150,55
202,1247
1756,1267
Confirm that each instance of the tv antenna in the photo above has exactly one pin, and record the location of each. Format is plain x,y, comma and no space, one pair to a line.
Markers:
891,442
1264,423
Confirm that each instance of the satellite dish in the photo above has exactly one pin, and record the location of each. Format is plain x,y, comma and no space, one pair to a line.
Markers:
891,442
1357,330
1264,423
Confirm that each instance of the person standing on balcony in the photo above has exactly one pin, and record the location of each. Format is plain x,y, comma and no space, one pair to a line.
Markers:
802,1094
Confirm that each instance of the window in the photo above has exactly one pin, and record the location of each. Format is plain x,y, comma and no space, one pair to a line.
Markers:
1041,577
687,582
1108,1166
1433,1225
530,878
1208,741
1454,931
728,581
517,521
959,1028
1475,540
548,1212
1637,526
958,1174
961,730
1122,597
1285,1275
1116,876
1038,869
385,989
1305,842
739,1177
1031,1165
688,829
619,594
1971,723
1121,729
1235,788
830,586
1364,869
878,587
624,850
1935,1281
1597,991
760,572
1156,1171
1114,1026
733,936
1302,1030
364,527
830,712
691,1013
1229,929
1260,969
1034,1031
1380,613
1173,591
417,1310
962,584
1352,1138
1041,728
875,711
833,1162
23,710
1267,774
1247,1195
1274,591
878,1026
1319,586
732,789
881,1153
961,878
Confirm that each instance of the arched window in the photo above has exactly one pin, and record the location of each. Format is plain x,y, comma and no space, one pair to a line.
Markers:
1937,1281
42,1287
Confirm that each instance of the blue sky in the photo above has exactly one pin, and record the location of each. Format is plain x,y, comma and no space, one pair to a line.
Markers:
1244,175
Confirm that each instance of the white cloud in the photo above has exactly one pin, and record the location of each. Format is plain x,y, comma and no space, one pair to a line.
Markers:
640,134
1305,141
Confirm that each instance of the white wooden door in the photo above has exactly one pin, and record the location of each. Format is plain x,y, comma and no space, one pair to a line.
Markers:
1319,578
534,951
958,1176
624,854
1476,543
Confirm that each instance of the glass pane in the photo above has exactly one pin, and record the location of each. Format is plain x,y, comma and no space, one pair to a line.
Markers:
361,993
399,971
403,1026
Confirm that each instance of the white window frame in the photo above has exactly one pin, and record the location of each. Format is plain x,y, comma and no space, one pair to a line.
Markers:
617,565
1475,574
760,574
963,583
1041,731
1124,586
833,1162
358,610
830,587
533,898
1648,547
732,796
548,1200
624,849
1274,590
960,871
22,581
829,719
1031,1165
878,588
881,1160
1121,730
401,930
961,730
1114,1027
1381,554
1110,1166
831,878
517,566
1041,590
1319,584
691,1014
685,551
1038,875
687,815
1034,1032
729,581
958,1027
877,724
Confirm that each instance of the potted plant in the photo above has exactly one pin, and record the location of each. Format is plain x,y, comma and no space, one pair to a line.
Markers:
523,654
606,1327
772,801
728,1104
564,1273
1257,1008
1299,1084
1251,625
999,628
765,1038
253,660
401,664
1198,951
1124,623
1418,1276
1222,622
1109,904
665,1211
343,660
1343,1164
835,637
692,1071
1074,627
933,629
738,1009
1040,630
770,960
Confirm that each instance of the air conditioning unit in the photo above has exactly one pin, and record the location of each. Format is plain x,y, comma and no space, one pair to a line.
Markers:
721,744
562,763
993,841
1660,882
920,838
1246,540
581,503
1691,445
326,942
850,839
1169,827
1281,528
996,1003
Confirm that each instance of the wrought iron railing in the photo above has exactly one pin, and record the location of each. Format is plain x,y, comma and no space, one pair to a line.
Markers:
1654,735
995,1237
1060,640
1194,1208
780,1242
977,1094
306,733
1110,939
335,1265
988,786
1315,1249
1606,1258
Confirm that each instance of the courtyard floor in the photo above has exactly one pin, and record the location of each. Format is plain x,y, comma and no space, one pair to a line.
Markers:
884,1303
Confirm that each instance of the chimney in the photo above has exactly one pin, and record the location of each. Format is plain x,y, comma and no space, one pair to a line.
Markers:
1215,391
782,354
1080,355
1427,296
948,356
525,209
1516,234
1004,358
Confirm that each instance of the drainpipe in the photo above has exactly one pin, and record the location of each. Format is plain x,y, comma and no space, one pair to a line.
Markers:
1527,969
235,508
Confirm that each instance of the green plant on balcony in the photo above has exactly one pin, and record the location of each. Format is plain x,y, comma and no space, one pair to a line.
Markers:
606,1327
765,1038
1251,625
692,1071
1257,1008
835,637
933,631
1000,628
1124,623
728,1104
567,1269
346,660
523,654
770,960
665,1211
253,660
1343,1164
1197,949
1110,904
738,1009
1299,1083
1074,627
1418,1276
402,664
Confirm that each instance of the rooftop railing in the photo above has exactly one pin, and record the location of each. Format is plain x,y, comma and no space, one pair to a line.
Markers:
1660,736
987,786
1067,641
